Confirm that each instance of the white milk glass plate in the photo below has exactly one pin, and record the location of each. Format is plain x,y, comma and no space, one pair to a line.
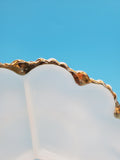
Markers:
50,112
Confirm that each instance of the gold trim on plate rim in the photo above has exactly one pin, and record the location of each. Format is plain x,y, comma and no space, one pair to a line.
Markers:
81,78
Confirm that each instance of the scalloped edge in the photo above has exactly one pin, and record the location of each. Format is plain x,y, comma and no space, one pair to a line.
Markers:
22,67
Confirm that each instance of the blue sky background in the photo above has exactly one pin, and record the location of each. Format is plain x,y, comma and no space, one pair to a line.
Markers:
83,33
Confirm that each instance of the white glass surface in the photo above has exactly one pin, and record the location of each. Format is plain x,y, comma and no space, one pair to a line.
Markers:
45,115
15,135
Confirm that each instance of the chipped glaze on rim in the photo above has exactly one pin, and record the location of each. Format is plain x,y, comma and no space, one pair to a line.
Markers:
81,78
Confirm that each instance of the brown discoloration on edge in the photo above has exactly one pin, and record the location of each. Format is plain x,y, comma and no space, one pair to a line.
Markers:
81,78
117,110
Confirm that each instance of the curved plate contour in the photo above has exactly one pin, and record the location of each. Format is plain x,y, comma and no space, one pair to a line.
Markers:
45,115
22,67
